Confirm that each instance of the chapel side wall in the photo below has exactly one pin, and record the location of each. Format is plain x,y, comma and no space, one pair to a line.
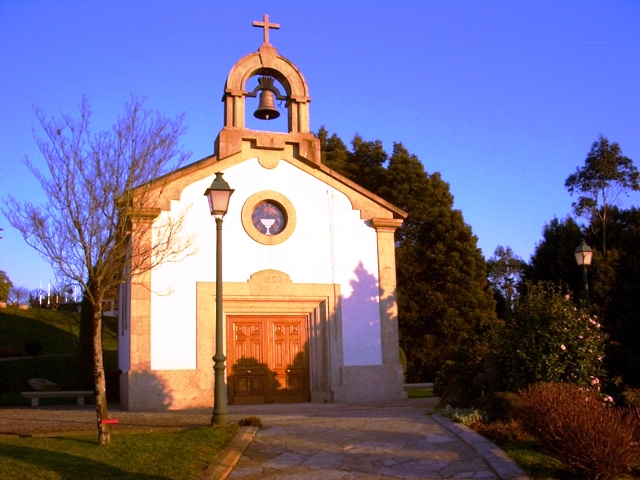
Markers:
139,326
366,383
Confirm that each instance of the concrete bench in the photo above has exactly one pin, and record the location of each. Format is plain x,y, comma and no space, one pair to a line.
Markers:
417,386
35,396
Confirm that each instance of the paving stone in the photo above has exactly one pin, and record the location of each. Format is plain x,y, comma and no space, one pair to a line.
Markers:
272,430
324,460
245,472
284,460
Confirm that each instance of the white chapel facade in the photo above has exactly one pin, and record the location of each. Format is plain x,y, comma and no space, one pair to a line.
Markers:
309,279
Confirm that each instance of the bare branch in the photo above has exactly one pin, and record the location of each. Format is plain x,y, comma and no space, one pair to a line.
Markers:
97,226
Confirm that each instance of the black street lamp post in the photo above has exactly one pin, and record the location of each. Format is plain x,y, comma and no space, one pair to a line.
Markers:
584,254
218,195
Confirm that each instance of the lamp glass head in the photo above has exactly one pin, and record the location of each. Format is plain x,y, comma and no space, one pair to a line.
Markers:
218,195
584,254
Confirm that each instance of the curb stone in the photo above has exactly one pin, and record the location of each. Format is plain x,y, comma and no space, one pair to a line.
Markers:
229,457
497,459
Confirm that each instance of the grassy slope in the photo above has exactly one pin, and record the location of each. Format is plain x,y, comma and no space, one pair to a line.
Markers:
58,333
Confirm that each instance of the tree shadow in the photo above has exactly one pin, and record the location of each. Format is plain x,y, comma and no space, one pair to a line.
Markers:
251,382
157,396
361,320
295,388
67,466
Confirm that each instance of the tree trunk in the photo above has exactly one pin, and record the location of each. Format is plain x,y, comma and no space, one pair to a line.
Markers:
104,435
85,347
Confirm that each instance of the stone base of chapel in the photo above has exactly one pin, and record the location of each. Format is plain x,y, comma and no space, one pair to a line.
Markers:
370,383
163,390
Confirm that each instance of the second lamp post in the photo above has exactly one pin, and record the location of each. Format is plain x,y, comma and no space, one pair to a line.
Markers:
583,254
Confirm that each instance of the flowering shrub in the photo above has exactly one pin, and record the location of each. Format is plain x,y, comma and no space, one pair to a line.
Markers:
550,340
597,441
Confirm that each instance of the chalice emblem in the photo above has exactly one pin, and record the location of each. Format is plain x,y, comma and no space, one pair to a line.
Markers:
268,223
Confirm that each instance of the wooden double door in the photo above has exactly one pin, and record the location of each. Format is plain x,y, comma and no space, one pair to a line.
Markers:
267,359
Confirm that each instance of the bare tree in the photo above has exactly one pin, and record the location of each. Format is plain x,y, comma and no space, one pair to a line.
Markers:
18,296
101,223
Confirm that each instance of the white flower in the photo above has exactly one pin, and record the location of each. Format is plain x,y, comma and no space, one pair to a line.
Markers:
563,347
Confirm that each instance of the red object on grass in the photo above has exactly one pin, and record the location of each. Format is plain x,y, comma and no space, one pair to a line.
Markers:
109,421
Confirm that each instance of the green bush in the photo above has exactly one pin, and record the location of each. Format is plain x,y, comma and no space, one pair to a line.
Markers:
250,421
631,396
499,406
455,385
466,416
594,439
549,340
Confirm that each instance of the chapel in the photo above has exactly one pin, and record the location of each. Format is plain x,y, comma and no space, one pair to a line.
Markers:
309,278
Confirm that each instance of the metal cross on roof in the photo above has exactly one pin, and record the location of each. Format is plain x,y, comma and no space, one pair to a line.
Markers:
266,25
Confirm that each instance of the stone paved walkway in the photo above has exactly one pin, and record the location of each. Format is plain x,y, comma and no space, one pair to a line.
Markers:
310,441
390,441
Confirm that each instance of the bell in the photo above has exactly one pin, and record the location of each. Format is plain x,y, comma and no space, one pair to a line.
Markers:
267,108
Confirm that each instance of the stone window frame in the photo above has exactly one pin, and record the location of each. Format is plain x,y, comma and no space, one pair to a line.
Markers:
268,196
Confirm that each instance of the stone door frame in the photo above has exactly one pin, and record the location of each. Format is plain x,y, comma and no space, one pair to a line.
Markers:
272,293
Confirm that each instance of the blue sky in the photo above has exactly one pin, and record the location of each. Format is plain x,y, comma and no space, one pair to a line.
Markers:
503,98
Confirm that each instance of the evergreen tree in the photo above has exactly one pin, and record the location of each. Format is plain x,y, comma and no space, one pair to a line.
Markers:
615,283
5,286
505,272
553,259
334,153
446,313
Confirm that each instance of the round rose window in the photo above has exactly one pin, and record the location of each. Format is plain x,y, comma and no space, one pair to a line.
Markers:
269,217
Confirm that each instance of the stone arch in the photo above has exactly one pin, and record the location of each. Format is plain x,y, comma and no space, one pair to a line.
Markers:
267,61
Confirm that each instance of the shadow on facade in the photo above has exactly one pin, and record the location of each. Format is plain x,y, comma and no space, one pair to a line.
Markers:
361,320
252,382
157,396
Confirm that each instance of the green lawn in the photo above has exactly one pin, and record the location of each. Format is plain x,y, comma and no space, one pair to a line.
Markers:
149,456
183,454
426,392
536,464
